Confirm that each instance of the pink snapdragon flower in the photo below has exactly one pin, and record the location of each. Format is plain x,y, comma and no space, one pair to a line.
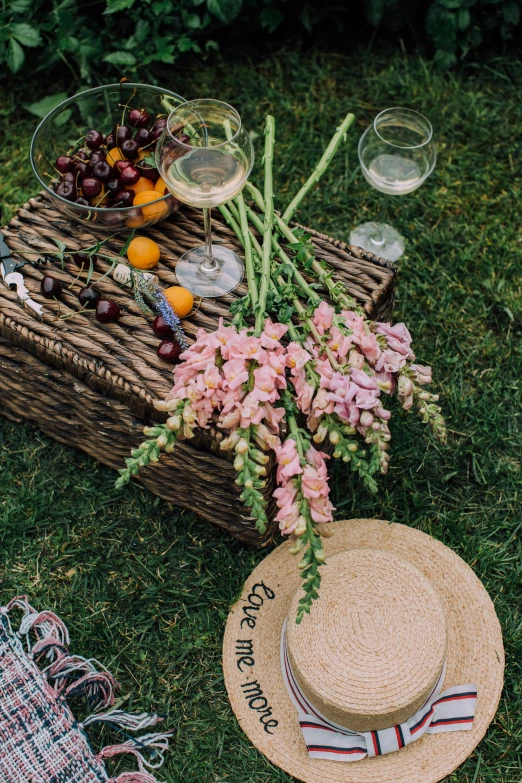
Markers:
390,361
422,373
296,357
235,373
397,337
323,317
272,333
288,514
288,463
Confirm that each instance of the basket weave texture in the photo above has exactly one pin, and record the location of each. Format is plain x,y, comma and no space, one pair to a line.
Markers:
93,385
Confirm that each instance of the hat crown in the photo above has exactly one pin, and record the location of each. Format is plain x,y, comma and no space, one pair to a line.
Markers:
373,647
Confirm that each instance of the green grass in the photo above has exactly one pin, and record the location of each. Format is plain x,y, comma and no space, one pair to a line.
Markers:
146,588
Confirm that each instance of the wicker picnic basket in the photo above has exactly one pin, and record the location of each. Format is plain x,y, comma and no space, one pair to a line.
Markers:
93,385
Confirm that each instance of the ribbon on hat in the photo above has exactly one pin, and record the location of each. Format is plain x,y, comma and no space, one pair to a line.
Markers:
452,710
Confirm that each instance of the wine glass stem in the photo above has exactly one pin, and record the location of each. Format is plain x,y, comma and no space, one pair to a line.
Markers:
377,238
209,264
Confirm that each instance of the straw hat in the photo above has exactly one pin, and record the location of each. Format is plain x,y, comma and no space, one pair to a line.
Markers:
395,606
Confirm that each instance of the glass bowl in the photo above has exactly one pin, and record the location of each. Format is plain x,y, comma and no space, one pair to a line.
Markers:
101,108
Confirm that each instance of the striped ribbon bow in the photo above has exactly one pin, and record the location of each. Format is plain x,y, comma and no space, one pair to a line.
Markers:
453,710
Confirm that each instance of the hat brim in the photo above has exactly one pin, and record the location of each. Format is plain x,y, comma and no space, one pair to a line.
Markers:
258,694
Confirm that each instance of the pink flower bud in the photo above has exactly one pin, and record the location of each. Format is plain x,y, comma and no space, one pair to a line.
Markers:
366,419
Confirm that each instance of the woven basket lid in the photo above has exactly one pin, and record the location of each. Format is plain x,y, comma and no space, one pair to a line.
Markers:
373,647
251,660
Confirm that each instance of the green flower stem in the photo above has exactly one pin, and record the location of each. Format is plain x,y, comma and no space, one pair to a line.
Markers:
321,269
312,295
249,262
268,223
320,168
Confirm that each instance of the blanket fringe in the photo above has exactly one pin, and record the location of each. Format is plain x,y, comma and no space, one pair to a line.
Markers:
92,680
156,743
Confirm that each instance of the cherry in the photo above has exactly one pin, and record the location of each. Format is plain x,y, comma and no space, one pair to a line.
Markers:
161,122
121,133
139,118
82,169
129,176
161,328
111,141
66,190
80,155
124,198
97,156
50,287
148,171
64,164
113,186
107,311
68,177
169,350
91,187
89,297
81,258
130,149
83,201
143,137
156,134
120,165
102,171
94,139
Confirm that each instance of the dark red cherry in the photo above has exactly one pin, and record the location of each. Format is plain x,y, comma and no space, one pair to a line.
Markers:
121,133
80,155
89,297
107,311
82,169
143,137
161,122
169,350
97,156
102,171
120,165
64,164
130,149
129,176
161,328
66,190
111,141
83,201
94,139
124,198
139,118
68,177
113,185
146,170
50,287
91,187
158,133
81,258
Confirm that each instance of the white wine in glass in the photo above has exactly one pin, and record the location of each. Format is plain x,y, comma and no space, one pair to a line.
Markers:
205,156
397,153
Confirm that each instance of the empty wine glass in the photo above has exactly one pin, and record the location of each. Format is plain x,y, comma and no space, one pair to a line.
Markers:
397,153
205,156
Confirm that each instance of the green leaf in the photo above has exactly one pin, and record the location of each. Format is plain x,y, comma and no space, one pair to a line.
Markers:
42,108
120,58
225,10
15,56
374,11
464,18
20,6
441,26
113,6
192,20
63,118
271,18
25,34
451,5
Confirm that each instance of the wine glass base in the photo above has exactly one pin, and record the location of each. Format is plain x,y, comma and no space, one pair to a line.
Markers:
379,238
209,284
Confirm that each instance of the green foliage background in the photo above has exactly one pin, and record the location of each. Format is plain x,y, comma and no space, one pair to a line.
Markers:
95,39
145,587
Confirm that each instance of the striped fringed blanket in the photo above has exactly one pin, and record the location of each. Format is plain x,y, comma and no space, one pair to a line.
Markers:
40,740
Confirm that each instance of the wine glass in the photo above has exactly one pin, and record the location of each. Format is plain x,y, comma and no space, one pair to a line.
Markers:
205,156
397,153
